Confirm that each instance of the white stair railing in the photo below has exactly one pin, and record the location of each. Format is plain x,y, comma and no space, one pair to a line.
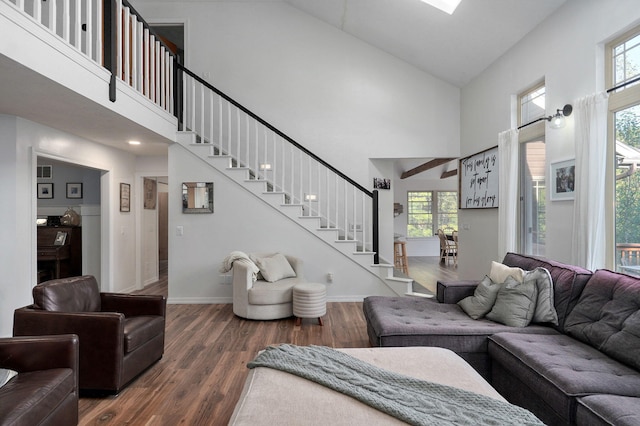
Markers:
287,167
142,61
77,22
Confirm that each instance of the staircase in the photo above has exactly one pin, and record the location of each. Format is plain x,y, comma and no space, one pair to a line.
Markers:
303,213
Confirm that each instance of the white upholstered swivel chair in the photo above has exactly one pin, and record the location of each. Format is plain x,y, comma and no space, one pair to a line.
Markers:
260,299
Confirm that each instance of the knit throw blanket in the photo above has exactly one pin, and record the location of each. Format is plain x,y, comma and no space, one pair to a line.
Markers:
414,401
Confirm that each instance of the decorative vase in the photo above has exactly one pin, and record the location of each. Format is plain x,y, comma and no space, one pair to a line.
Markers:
70,218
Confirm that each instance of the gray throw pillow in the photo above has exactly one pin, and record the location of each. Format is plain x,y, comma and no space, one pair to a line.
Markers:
6,375
275,268
515,304
545,308
483,298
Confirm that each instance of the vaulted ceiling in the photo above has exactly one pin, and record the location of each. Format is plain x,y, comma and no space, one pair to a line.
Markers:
455,48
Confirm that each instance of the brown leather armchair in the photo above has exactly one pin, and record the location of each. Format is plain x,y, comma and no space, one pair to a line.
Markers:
121,335
45,391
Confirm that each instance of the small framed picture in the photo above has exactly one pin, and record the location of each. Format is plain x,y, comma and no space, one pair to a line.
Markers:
45,190
563,178
381,183
74,190
125,197
61,238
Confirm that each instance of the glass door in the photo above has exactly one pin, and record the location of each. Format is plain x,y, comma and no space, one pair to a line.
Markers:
627,130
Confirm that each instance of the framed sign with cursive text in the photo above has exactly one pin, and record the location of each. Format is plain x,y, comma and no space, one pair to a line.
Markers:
478,180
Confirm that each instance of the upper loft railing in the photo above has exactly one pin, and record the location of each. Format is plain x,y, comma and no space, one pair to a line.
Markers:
114,35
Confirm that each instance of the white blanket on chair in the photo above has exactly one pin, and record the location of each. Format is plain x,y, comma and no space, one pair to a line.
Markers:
238,256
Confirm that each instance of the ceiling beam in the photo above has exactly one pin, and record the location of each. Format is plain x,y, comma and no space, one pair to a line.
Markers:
449,174
426,166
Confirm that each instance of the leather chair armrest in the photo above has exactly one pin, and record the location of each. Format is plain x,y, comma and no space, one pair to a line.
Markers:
101,334
133,305
455,291
32,353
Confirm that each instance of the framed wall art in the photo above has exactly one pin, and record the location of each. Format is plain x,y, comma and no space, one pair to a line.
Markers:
74,190
563,178
150,193
45,190
381,183
125,197
478,178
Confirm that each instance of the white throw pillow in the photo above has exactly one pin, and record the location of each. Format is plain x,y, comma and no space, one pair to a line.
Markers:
275,268
500,272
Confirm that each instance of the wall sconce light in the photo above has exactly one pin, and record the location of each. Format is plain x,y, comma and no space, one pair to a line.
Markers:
310,197
265,166
557,121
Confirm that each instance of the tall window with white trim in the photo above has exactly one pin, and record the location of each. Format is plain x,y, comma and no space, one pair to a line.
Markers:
623,73
532,233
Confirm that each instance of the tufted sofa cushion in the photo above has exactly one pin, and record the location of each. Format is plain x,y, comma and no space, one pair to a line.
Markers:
554,371
608,410
412,321
607,316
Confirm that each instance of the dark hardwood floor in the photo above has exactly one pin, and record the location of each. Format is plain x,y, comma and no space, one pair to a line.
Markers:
201,375
426,271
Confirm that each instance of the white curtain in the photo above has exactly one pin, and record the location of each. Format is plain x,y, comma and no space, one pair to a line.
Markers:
589,227
508,153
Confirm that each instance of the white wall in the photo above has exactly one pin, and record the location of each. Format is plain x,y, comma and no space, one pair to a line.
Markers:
342,98
21,141
241,221
565,50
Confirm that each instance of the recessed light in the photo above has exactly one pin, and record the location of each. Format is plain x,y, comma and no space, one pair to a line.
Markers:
134,142
448,6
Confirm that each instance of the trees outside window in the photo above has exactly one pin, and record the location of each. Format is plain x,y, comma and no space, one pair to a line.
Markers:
623,70
427,211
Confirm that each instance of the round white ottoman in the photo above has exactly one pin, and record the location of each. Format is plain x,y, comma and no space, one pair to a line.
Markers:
309,301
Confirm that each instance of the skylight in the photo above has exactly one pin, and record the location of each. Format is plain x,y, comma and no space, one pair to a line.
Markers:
448,6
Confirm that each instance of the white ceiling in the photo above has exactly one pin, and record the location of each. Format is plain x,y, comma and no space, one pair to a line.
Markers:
455,48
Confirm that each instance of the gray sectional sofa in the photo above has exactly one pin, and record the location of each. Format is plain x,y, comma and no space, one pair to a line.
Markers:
583,370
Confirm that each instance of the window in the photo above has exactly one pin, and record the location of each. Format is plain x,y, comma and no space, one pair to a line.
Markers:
44,172
532,104
532,172
533,198
428,211
626,61
624,105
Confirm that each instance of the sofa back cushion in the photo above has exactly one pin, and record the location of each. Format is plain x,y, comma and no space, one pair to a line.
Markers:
74,294
607,316
568,280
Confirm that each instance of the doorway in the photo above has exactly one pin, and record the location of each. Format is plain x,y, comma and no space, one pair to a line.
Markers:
67,247
172,35
152,264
